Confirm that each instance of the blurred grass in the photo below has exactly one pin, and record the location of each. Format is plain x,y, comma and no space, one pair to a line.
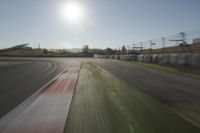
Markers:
3,62
6,62
103,103
181,70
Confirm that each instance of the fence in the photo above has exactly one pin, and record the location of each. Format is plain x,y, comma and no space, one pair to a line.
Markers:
181,39
149,51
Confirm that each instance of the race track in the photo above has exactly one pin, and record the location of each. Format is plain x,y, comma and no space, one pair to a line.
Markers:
22,78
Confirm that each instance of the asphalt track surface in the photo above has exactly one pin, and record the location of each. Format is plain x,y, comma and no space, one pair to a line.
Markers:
47,112
21,79
179,92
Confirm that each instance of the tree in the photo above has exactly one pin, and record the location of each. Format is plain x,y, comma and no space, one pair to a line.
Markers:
123,49
109,51
45,51
85,49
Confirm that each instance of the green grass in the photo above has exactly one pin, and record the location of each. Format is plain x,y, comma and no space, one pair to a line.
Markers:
3,62
103,103
181,70
6,62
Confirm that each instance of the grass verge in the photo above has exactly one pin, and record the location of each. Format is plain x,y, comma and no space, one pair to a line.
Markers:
103,103
181,70
4,62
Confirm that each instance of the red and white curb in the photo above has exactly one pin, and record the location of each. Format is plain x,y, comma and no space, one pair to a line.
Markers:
48,112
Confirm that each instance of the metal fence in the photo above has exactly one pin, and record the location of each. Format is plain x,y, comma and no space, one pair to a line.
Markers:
180,39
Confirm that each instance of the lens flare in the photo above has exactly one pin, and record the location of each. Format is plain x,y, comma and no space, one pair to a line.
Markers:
71,12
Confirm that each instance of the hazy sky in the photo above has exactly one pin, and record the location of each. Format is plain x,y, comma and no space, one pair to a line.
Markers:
106,23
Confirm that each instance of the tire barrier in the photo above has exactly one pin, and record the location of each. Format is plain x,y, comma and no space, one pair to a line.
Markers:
186,59
155,58
147,58
164,59
117,57
128,57
173,59
140,58
195,61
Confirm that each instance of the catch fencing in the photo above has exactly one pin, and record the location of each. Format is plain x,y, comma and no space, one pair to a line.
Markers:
181,39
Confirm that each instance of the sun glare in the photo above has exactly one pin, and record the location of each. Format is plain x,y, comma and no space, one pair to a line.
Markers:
71,12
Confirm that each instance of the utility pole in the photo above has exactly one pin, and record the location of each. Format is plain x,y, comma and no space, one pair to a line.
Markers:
141,47
119,50
183,38
127,49
163,43
151,44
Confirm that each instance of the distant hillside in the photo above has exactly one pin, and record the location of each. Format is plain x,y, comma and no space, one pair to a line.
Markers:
23,52
42,53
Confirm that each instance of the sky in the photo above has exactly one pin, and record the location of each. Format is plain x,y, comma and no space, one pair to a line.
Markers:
104,23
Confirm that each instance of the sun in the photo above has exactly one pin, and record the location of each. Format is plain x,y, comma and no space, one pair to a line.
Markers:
71,12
